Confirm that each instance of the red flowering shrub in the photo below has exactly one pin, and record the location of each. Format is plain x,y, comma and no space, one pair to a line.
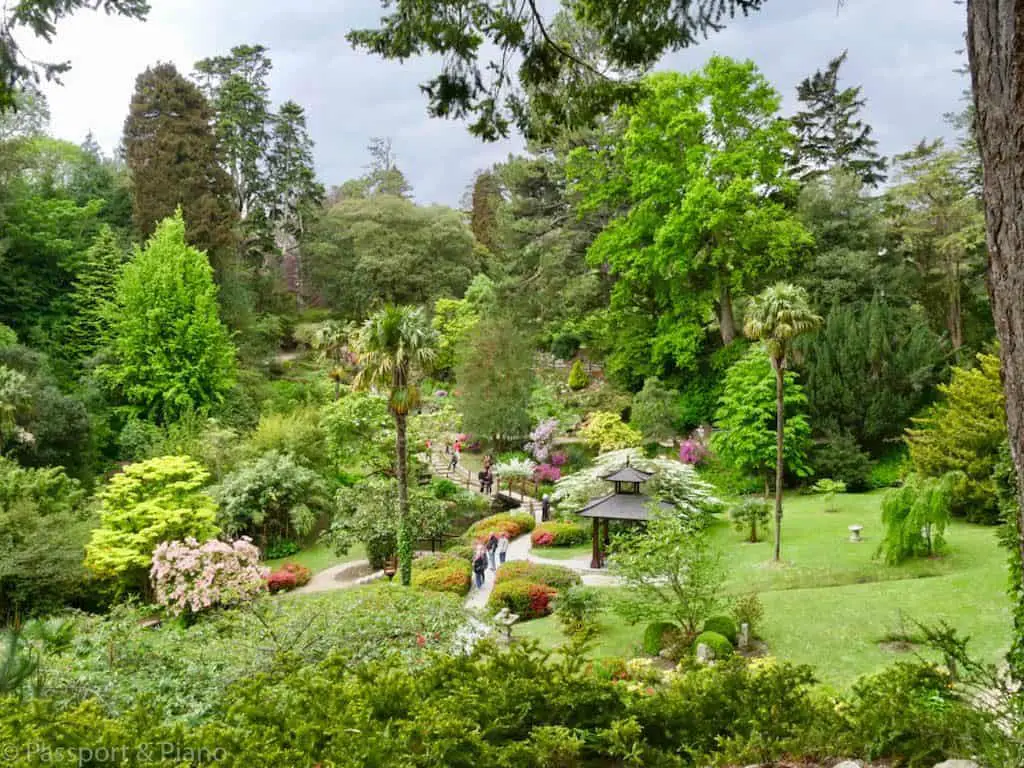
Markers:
288,576
558,533
527,599
552,575
512,524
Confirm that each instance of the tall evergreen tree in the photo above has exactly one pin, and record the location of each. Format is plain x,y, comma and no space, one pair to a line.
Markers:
172,154
829,132
93,290
485,199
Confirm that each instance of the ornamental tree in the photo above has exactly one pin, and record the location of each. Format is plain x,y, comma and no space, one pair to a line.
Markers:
655,409
149,502
541,440
172,354
916,515
189,577
608,432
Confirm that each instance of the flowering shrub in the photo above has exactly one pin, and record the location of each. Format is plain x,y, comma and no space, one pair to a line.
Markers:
442,572
558,533
547,473
559,458
692,452
189,577
550,575
287,577
515,467
607,432
512,524
522,597
541,439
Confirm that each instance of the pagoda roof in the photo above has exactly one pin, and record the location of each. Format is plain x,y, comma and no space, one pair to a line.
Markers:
628,474
622,506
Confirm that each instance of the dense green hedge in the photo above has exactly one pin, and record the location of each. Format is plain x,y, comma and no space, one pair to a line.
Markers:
558,533
512,524
720,646
724,626
442,573
552,575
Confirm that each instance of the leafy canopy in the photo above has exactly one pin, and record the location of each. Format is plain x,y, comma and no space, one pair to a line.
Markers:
172,355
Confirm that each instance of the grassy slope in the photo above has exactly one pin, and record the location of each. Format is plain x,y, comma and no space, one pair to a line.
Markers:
318,557
830,603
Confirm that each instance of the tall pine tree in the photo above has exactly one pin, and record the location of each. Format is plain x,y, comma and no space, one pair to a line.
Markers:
172,154
829,133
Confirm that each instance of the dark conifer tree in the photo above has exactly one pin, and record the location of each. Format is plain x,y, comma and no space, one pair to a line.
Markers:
485,200
829,133
172,154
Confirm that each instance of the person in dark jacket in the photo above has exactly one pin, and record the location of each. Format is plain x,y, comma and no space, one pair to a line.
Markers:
480,565
545,508
492,549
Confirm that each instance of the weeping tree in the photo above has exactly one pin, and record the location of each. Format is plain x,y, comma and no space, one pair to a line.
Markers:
776,317
393,346
915,516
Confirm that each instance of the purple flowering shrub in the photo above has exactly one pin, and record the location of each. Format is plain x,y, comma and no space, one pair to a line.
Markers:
692,452
541,440
189,577
547,473
559,458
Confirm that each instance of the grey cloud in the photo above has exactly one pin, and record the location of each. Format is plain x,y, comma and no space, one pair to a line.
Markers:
903,53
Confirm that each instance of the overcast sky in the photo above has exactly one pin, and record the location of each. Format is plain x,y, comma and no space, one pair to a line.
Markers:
903,52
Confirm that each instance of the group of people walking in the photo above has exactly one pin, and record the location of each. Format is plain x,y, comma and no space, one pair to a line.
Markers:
492,553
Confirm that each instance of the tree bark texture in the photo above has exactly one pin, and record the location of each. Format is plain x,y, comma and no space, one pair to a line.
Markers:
726,321
780,423
404,545
995,48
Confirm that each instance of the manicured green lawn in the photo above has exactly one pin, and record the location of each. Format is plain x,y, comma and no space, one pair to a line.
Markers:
830,603
318,557
562,553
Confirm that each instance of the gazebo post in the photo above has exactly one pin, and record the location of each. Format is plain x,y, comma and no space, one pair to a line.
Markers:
607,536
595,559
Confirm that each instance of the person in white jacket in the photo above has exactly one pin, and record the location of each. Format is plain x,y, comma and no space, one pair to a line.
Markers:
502,547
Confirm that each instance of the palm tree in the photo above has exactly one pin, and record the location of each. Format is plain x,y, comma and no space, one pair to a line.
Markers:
776,317
393,345
331,338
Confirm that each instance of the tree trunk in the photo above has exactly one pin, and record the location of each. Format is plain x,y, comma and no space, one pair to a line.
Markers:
404,543
955,314
726,321
780,419
995,48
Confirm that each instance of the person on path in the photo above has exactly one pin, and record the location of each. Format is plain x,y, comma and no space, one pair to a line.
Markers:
447,448
454,461
492,549
480,565
482,477
545,508
488,482
503,548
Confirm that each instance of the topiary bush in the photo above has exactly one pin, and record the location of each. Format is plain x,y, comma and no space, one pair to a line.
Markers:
512,524
558,533
840,458
461,551
578,378
527,599
719,645
724,626
289,576
442,572
655,636
551,575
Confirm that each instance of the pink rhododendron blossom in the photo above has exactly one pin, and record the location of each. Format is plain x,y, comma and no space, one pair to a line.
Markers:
189,577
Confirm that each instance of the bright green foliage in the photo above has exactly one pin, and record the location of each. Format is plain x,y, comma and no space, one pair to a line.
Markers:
916,515
670,572
577,609
367,514
829,134
360,434
702,225
719,645
745,420
723,625
172,354
453,320
828,488
92,292
964,432
495,381
271,498
301,433
148,503
655,410
578,378
748,515
14,394
868,370
385,248
607,432
394,346
45,529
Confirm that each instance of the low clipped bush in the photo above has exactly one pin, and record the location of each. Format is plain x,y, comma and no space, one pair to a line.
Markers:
550,575
558,533
442,572
461,551
724,626
656,636
512,524
720,646
281,581
528,599
578,378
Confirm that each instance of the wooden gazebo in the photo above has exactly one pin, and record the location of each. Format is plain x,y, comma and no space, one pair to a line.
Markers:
626,502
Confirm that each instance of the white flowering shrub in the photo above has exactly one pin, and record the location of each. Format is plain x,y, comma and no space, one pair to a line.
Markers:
189,577
515,468
673,482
